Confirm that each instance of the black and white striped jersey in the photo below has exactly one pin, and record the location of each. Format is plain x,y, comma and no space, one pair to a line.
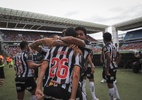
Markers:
86,51
109,47
61,63
37,57
44,50
21,66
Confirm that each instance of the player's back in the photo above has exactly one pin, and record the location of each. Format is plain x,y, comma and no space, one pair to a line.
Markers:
62,61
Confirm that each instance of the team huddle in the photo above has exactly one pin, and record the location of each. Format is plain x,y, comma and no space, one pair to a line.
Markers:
64,64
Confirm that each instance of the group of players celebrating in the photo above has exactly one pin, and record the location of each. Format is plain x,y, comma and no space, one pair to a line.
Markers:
65,63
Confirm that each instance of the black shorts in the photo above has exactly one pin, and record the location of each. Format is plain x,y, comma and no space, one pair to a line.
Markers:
2,72
112,77
58,93
23,83
88,73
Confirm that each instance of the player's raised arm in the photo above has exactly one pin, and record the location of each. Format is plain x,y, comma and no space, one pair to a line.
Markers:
39,94
73,40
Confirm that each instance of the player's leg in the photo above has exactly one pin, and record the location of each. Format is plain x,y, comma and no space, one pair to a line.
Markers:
31,87
111,90
90,76
115,88
2,76
84,82
110,79
20,95
84,85
81,85
92,87
20,88
103,76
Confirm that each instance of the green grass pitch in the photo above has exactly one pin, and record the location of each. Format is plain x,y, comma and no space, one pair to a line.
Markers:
129,85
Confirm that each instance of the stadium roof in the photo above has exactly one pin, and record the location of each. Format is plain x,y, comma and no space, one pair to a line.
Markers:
16,19
130,24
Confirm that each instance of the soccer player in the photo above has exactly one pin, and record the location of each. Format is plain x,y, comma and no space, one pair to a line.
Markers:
64,74
37,58
103,72
24,79
111,59
2,76
89,71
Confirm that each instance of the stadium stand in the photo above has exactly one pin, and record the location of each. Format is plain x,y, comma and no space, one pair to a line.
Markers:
10,39
132,35
132,40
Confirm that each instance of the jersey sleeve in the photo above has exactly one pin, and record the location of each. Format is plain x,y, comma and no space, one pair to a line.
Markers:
106,49
88,44
78,60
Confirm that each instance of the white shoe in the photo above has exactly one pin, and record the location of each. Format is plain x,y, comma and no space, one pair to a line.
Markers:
116,99
103,81
95,99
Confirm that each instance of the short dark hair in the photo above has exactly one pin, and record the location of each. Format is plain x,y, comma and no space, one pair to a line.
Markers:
107,36
81,28
63,32
70,32
23,44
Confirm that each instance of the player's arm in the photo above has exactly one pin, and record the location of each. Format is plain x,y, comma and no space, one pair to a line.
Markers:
29,60
36,45
58,43
108,62
73,40
91,63
75,82
46,42
40,42
39,94
32,65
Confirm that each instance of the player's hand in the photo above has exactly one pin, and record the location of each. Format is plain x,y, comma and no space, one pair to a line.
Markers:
76,50
30,49
107,73
72,46
92,70
39,94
